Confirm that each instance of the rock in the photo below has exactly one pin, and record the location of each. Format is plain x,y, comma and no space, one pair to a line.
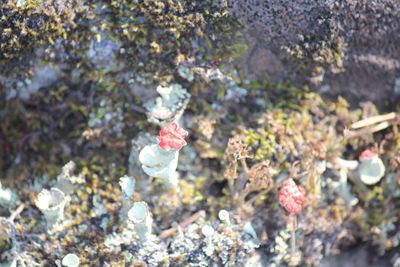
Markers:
357,43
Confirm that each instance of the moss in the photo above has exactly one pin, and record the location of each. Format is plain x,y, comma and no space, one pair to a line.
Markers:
285,95
154,32
35,23
306,133
317,52
5,245
191,194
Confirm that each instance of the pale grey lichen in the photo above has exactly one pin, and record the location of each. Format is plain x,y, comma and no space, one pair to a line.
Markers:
107,116
67,181
233,91
21,3
39,182
153,254
134,165
139,214
280,250
223,215
169,106
99,208
159,163
8,198
211,245
70,260
51,204
103,51
186,73
346,164
344,189
24,88
114,240
371,170
127,184
249,229
8,244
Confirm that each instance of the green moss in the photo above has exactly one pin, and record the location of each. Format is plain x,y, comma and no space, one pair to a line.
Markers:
4,245
33,24
305,132
283,95
315,53
154,32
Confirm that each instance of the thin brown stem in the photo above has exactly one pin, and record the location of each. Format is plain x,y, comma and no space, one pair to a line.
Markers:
243,194
167,233
244,165
293,234
231,184
251,200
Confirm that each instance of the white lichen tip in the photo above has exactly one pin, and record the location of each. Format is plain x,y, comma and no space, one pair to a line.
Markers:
223,215
139,212
371,171
160,164
67,181
249,229
169,106
141,218
186,73
127,184
165,92
345,191
71,260
347,164
6,196
13,263
207,231
51,204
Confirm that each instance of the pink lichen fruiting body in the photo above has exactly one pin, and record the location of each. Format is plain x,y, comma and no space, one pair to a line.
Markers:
172,137
292,196
367,154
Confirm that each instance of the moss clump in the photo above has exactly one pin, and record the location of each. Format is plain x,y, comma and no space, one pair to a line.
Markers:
285,95
5,245
169,32
35,23
312,50
310,132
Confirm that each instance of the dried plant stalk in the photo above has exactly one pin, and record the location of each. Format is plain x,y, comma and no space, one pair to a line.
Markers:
169,232
366,126
293,234
351,134
373,120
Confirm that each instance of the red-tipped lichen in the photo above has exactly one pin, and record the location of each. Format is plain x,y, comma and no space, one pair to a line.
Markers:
292,196
172,137
367,154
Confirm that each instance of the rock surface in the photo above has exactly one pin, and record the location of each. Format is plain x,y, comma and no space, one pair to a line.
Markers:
358,42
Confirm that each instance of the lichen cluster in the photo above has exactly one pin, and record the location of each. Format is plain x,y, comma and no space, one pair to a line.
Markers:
91,82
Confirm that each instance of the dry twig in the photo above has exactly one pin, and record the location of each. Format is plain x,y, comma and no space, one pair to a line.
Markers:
167,233
371,125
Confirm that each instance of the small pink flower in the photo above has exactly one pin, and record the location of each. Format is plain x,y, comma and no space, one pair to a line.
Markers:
172,137
367,154
292,196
